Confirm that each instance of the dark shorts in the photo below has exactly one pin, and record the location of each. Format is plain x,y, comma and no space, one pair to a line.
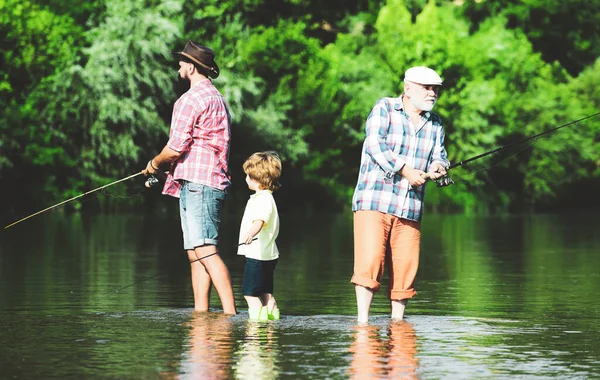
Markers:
258,277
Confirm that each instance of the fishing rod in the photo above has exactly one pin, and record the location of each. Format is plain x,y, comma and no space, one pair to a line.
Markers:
79,196
445,180
158,274
460,163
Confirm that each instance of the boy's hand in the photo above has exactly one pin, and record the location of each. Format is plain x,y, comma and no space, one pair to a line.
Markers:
248,239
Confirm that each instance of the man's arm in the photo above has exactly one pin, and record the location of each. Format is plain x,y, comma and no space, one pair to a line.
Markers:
439,160
182,125
166,156
376,146
376,129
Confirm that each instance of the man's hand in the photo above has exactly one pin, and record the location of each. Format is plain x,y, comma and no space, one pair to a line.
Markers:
437,170
414,176
150,169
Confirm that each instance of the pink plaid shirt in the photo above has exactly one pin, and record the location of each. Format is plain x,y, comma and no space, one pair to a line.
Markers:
200,130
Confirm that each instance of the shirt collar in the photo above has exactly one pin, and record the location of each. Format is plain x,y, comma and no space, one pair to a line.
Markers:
202,82
260,192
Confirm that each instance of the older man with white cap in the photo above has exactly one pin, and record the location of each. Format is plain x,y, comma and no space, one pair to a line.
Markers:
404,145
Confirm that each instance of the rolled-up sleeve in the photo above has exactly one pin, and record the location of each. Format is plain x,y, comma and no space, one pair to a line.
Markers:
377,127
182,125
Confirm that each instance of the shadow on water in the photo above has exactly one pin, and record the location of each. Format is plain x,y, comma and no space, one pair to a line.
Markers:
498,297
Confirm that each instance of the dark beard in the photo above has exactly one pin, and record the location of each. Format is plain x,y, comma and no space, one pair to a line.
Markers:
182,85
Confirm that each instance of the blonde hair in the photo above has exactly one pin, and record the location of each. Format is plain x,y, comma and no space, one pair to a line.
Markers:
264,168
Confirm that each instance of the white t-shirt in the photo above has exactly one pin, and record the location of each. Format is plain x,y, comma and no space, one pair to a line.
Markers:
260,206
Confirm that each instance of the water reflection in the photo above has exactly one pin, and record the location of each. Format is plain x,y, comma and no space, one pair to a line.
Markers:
499,297
257,356
209,347
384,352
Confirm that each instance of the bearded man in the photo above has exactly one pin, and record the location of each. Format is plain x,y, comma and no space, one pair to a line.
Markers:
403,146
197,155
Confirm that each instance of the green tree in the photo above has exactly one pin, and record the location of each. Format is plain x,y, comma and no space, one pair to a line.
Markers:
300,77
36,43
106,113
567,31
497,90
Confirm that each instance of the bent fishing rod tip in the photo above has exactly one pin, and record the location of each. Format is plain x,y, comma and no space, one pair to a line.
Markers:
74,198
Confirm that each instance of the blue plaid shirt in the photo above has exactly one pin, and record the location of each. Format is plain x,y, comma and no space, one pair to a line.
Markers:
391,142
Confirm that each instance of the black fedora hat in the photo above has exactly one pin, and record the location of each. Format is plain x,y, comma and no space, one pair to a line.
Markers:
201,55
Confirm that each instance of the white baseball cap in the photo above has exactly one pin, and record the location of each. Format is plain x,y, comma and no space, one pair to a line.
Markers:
422,75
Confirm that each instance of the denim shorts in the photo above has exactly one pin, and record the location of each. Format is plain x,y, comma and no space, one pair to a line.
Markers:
200,208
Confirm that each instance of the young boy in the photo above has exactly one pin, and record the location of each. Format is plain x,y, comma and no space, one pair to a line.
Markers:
258,231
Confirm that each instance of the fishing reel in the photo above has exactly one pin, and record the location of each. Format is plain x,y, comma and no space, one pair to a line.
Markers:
151,181
444,181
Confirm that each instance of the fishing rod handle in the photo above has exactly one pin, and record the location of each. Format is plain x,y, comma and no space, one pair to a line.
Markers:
442,181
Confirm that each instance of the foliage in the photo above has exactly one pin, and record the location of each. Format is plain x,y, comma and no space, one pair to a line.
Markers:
36,42
486,103
104,112
87,92
566,31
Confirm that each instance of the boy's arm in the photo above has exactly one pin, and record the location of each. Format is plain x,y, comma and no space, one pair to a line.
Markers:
257,225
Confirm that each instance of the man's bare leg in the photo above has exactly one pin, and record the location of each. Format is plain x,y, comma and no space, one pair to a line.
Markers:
200,283
219,274
364,297
398,307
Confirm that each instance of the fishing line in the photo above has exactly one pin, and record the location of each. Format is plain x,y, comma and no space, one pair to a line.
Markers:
72,199
535,140
460,163
159,274
117,196
484,168
445,180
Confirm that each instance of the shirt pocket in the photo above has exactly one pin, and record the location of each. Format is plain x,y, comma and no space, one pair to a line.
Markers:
396,134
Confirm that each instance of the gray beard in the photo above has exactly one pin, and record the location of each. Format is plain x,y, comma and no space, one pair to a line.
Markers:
423,105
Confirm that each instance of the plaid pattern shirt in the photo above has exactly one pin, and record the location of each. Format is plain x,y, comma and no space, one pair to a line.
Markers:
391,142
200,130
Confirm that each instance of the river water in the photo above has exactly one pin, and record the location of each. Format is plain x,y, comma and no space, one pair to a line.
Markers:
109,296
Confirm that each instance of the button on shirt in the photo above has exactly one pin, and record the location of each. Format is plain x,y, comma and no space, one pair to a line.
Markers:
200,130
391,142
260,206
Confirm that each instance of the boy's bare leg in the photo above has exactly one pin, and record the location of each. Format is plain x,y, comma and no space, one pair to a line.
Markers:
398,307
219,274
364,297
269,300
200,283
253,302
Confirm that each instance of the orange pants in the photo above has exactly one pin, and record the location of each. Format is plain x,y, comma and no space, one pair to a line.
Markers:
380,237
